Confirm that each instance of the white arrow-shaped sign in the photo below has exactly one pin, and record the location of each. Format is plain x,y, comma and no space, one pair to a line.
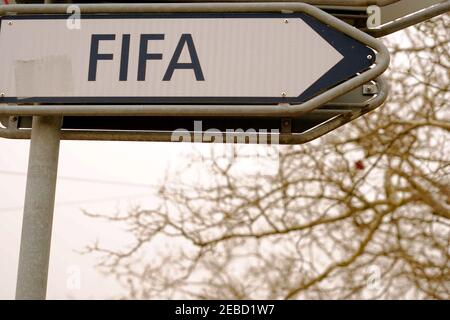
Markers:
208,58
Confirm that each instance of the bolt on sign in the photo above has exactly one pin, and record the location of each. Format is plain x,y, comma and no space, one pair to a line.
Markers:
175,58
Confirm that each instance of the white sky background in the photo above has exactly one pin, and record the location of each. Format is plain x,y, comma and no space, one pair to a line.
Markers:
134,162
145,164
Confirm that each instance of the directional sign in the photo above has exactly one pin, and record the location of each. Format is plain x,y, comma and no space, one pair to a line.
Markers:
176,58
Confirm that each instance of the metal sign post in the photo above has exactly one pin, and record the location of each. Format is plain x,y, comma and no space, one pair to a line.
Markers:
38,209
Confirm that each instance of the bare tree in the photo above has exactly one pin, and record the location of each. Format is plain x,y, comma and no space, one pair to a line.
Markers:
363,212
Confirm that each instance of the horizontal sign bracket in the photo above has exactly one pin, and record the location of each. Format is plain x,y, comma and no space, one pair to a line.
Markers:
338,113
410,20
207,6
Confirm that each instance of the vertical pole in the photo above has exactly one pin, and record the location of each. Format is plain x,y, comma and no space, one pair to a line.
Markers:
38,209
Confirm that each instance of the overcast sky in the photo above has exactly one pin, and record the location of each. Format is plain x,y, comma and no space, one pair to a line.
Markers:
125,163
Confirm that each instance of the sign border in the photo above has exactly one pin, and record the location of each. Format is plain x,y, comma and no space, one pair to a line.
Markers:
285,110
350,48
